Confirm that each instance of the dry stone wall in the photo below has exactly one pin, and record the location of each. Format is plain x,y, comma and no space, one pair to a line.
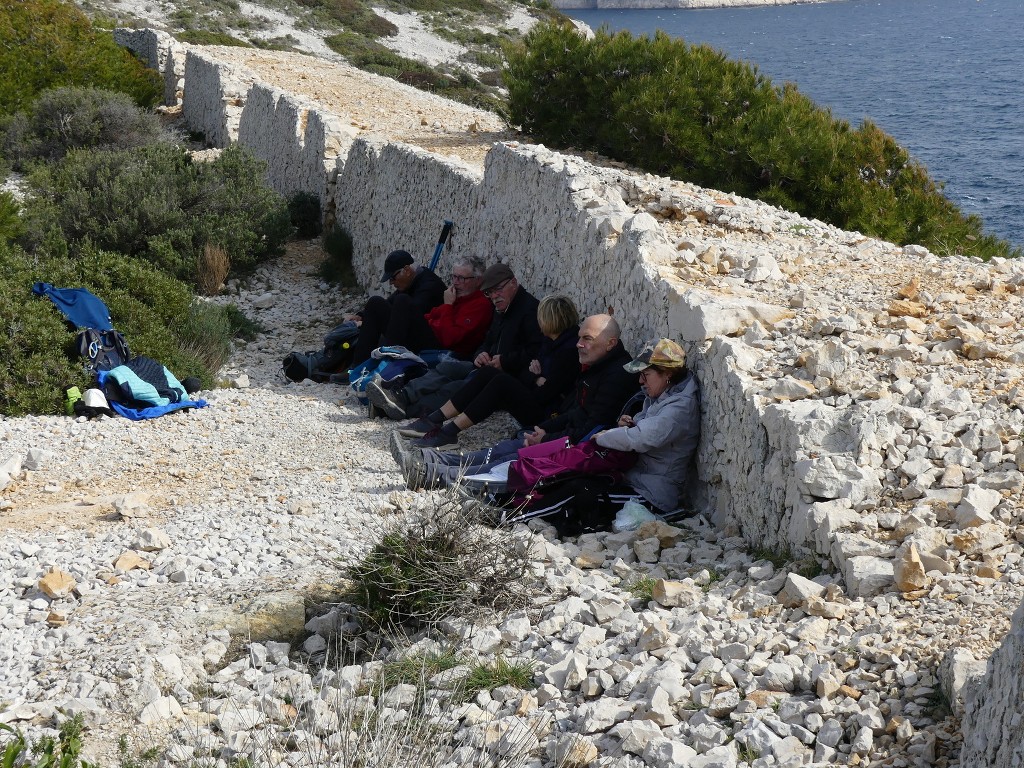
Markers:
159,51
994,715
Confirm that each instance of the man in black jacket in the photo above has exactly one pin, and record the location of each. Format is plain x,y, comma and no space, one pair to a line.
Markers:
398,319
512,341
603,389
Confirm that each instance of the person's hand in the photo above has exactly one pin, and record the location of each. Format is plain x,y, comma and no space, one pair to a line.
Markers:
537,436
540,381
484,358
449,295
357,319
626,420
535,367
495,362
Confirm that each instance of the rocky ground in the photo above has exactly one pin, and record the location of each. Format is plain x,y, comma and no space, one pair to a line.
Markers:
139,558
150,573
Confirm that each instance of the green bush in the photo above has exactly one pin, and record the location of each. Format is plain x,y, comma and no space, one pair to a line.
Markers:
337,265
155,312
381,60
63,752
11,227
49,43
72,118
154,203
304,213
689,112
355,16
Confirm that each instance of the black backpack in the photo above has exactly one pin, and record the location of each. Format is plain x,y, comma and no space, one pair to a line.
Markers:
102,350
319,365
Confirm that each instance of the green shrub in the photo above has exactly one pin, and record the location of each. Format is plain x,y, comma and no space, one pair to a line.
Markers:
381,60
154,203
337,267
438,565
71,118
63,752
11,227
49,43
304,213
355,16
691,113
155,312
207,37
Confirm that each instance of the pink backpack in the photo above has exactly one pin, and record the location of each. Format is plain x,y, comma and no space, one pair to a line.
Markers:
536,470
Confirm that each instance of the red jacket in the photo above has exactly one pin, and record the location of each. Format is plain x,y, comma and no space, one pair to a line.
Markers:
462,325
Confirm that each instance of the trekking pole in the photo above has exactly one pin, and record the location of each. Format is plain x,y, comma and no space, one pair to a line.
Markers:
445,238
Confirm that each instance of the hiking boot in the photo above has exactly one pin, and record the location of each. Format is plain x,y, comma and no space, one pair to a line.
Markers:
391,401
436,438
419,428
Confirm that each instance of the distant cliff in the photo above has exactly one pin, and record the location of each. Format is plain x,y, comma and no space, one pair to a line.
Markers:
621,4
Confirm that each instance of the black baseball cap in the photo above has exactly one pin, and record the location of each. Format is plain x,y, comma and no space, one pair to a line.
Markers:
394,262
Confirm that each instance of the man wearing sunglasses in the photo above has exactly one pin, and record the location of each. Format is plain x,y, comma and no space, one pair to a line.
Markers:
398,319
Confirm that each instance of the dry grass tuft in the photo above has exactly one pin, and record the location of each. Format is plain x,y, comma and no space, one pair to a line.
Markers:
212,270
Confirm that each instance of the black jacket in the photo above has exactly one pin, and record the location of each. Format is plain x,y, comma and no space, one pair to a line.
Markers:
600,393
560,367
426,290
514,333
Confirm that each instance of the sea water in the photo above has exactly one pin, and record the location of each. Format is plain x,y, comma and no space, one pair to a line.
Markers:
944,77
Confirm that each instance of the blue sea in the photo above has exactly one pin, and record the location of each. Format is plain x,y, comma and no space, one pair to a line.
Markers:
944,77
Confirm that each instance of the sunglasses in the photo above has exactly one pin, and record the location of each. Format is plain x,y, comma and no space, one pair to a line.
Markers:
462,278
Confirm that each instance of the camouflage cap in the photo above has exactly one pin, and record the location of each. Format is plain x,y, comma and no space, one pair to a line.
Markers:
664,353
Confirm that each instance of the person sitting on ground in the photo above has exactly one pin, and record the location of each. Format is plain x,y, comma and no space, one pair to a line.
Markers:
664,435
460,322
530,397
398,319
512,341
601,391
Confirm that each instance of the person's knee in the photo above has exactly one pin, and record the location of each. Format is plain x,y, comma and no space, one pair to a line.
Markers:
375,304
399,300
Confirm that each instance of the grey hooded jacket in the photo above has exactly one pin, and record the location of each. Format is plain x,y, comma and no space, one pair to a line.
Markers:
665,435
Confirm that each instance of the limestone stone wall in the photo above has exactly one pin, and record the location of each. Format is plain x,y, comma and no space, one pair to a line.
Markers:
159,51
994,716
214,95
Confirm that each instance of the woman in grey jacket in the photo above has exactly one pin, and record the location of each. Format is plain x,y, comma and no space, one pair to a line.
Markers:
664,436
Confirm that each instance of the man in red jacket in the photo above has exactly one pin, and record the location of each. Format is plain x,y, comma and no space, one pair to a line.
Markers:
461,321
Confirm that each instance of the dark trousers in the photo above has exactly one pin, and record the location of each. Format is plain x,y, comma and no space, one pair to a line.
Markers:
397,321
491,390
581,505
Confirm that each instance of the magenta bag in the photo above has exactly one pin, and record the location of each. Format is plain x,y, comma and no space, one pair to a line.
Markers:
530,472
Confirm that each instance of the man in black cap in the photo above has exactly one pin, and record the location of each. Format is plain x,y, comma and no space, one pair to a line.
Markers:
398,319
512,341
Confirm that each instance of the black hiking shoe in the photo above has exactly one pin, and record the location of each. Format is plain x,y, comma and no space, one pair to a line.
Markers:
391,401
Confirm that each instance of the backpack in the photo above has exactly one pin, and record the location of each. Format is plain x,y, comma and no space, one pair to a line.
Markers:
531,473
102,350
318,365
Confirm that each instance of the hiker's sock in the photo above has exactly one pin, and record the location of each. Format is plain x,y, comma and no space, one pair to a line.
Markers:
451,430
435,417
